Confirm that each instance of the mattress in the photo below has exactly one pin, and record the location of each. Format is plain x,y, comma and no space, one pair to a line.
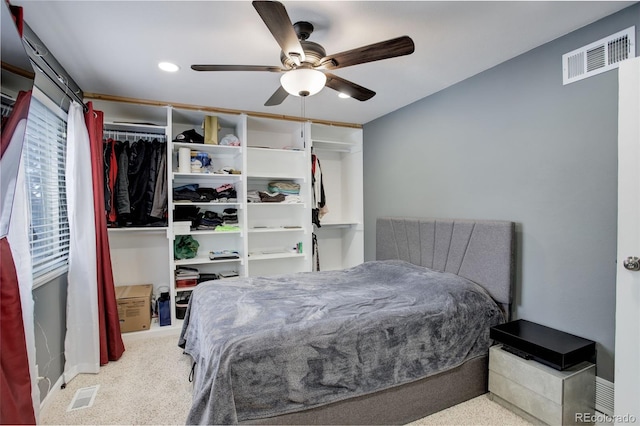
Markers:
266,346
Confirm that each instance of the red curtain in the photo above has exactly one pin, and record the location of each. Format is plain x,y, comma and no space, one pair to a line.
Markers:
16,405
111,344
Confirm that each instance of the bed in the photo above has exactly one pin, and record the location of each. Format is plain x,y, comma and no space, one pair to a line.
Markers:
386,342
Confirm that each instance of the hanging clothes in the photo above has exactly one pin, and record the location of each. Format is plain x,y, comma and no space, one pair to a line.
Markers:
314,252
110,176
161,192
139,162
136,179
319,201
121,186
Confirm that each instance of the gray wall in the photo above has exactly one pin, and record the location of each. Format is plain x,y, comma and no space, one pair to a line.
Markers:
50,320
513,143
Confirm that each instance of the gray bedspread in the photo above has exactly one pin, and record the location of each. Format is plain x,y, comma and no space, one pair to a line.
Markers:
272,345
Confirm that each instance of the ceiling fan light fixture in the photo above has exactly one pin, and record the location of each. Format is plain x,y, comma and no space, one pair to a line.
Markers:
303,81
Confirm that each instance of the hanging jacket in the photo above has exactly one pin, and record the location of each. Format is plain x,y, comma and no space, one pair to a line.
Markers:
319,201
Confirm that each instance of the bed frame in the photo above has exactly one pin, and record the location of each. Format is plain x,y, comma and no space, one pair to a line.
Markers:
481,251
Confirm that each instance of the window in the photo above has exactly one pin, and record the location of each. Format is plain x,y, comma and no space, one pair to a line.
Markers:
44,159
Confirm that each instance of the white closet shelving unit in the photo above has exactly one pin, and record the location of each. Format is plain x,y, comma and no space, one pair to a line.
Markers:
341,234
272,238
136,252
221,157
279,234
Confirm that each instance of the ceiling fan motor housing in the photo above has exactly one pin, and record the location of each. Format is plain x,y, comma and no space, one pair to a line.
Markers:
313,53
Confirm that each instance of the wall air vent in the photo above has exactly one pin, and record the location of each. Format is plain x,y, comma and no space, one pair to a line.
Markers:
604,396
600,56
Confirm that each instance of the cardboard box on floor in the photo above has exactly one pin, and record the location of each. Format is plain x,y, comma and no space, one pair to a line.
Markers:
134,307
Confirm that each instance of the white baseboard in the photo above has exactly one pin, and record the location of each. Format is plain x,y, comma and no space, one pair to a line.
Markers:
55,388
154,331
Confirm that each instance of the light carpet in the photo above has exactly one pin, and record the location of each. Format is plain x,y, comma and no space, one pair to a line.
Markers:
149,385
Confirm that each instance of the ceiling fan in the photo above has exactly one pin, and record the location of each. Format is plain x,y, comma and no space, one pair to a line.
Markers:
305,64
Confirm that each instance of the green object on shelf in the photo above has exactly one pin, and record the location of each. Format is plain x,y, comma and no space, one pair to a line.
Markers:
185,247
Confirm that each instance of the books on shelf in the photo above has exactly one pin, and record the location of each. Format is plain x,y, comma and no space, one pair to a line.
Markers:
224,254
186,277
187,273
228,274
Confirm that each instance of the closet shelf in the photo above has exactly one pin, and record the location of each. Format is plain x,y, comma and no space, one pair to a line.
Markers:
260,230
201,260
296,151
219,150
149,229
338,224
135,127
208,204
218,176
286,176
277,204
336,146
270,256
209,232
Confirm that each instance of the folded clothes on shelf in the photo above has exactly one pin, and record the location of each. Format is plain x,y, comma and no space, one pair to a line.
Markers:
285,187
230,216
253,196
269,197
227,228
195,193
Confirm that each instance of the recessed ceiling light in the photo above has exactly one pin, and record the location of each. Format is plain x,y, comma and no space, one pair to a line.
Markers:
168,67
343,95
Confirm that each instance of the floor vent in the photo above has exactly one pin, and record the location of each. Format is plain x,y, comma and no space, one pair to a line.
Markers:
604,396
598,57
83,398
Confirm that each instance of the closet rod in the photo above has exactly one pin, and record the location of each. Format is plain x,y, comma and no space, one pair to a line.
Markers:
130,133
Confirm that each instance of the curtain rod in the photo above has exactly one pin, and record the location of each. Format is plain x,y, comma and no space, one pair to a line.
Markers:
66,90
59,81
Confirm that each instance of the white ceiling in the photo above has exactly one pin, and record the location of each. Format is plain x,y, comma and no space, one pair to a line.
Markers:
113,47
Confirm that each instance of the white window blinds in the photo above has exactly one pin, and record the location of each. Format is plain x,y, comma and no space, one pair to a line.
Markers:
44,159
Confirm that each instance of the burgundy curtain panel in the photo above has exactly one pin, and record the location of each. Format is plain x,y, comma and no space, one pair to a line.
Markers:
16,405
111,344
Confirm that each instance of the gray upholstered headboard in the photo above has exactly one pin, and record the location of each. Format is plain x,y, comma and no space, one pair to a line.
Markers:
479,250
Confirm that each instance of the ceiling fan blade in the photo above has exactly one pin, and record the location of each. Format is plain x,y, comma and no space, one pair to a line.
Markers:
276,18
374,52
348,88
277,98
235,68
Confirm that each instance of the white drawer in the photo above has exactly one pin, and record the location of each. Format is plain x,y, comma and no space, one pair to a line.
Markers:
525,399
539,378
550,395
